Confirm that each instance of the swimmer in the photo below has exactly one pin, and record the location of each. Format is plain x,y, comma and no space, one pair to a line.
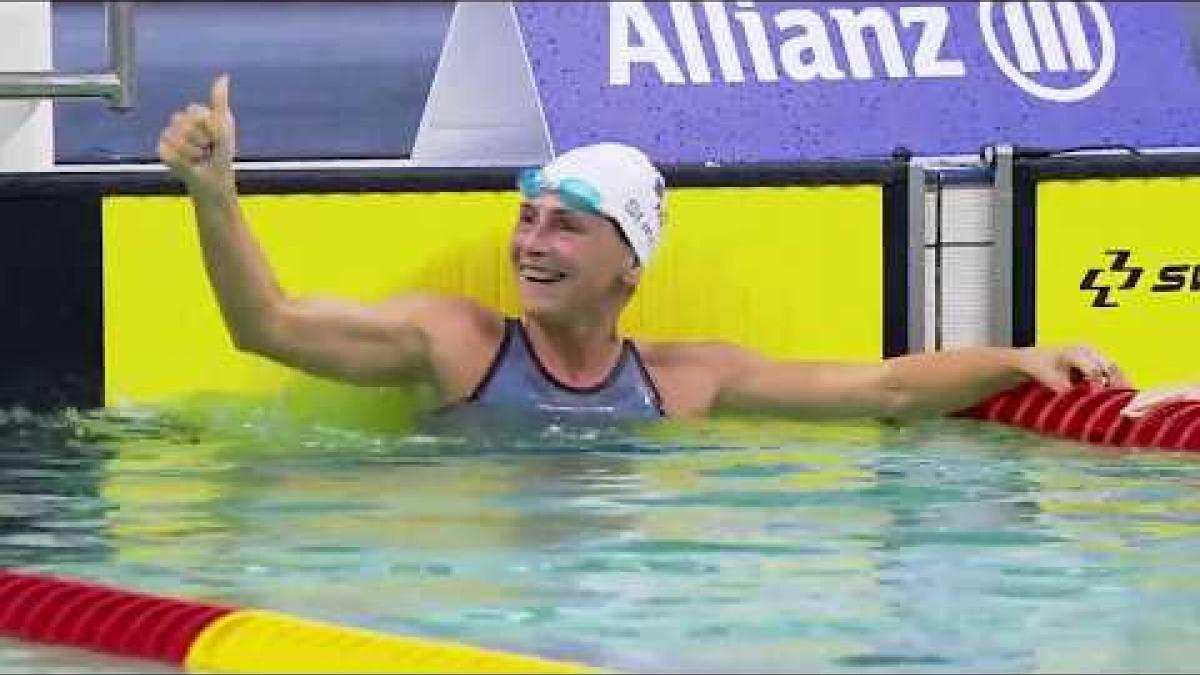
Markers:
587,226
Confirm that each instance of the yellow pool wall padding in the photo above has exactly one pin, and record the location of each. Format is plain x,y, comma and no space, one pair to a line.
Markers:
257,641
792,271
1148,334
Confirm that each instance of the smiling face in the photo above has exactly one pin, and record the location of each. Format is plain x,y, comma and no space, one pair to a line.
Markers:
570,263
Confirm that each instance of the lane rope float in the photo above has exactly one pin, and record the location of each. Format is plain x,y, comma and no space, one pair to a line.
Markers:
1093,415
211,638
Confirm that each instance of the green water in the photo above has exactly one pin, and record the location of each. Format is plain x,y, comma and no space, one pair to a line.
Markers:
732,546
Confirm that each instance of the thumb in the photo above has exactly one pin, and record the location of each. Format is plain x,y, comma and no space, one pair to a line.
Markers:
221,123
220,95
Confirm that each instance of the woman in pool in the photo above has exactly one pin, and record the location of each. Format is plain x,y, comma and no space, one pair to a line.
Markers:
588,225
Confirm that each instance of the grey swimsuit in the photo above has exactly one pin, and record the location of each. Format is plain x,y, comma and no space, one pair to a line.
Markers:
517,381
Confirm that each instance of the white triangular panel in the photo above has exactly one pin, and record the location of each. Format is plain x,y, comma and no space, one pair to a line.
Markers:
483,107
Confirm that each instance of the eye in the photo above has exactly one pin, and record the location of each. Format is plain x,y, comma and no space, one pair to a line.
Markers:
568,224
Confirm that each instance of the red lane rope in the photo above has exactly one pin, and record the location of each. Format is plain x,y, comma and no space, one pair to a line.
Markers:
80,614
1093,415
211,639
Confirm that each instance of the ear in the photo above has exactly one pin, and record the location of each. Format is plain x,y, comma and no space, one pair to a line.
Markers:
632,274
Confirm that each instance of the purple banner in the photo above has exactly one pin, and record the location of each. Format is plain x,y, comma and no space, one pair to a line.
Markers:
774,81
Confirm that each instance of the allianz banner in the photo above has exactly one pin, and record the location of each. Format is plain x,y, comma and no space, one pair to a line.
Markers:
775,81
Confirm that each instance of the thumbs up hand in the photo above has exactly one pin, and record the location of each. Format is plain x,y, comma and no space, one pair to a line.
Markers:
199,143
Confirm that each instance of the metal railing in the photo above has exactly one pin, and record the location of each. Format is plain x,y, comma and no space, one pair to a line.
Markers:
116,85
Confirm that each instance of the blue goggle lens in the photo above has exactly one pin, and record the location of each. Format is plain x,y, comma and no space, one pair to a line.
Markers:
575,194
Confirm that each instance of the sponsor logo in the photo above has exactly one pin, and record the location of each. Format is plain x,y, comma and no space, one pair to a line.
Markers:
1048,40
1044,48
1104,283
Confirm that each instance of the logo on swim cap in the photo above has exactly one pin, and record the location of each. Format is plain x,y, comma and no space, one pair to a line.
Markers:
631,189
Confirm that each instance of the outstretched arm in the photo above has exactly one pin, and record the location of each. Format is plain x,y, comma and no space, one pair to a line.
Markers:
906,386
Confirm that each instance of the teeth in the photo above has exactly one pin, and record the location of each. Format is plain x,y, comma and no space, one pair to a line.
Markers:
540,275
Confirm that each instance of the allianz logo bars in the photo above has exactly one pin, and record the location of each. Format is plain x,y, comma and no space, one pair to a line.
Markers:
1034,44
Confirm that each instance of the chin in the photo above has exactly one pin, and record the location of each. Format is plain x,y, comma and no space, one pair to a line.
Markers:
545,309
536,309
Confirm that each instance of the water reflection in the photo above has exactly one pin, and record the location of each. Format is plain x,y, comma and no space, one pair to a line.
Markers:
51,511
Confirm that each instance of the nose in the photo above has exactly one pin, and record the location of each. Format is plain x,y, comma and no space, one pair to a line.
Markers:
533,237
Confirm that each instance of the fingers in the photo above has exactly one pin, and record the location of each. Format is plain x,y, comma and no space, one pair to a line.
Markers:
198,142
1060,368
184,139
199,126
189,138
1117,378
1094,367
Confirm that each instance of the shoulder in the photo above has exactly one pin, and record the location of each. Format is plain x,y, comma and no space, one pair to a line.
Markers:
691,375
461,337
445,317
716,356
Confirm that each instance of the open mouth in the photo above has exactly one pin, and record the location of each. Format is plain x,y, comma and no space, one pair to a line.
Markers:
540,275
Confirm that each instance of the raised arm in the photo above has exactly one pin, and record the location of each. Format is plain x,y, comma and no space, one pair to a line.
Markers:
381,344
908,386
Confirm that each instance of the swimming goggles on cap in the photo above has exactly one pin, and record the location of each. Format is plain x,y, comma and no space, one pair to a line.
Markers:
575,193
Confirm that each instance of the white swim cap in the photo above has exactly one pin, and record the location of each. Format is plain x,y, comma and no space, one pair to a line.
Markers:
630,189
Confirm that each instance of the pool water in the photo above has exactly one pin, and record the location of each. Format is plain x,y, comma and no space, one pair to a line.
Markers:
724,546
